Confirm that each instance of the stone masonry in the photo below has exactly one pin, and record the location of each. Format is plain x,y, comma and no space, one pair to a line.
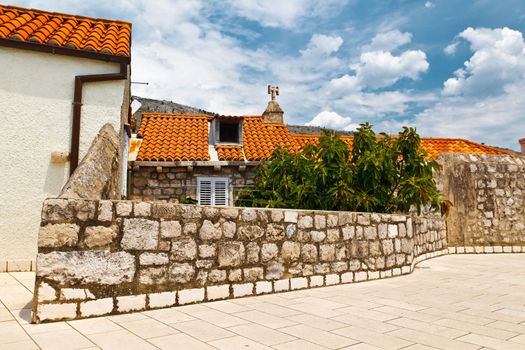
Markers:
488,194
108,257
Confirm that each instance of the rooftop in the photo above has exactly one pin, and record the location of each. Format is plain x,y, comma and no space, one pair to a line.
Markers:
185,137
57,30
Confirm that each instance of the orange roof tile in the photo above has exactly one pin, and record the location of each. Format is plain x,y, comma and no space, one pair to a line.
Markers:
230,153
177,137
173,137
68,31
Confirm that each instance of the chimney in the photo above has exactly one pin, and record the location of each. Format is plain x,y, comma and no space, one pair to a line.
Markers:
273,112
522,144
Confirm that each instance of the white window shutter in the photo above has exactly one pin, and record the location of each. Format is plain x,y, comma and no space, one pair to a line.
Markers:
205,192
213,191
221,192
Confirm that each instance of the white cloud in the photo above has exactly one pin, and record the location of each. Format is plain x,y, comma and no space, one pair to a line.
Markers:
379,69
388,41
429,4
284,14
332,120
498,60
451,48
320,44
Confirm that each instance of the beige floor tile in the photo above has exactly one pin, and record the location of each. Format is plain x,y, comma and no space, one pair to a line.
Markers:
362,346
441,329
23,345
171,315
22,316
366,323
299,345
431,340
261,334
46,327
317,322
227,307
518,339
179,341
149,328
120,340
319,337
277,310
474,328
316,309
238,343
511,327
202,330
489,342
11,331
265,319
127,317
95,325
381,340
365,313
5,315
219,318
64,339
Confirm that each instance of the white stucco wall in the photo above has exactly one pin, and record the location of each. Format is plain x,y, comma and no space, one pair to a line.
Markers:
36,94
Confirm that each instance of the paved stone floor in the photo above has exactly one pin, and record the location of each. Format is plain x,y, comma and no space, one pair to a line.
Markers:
451,302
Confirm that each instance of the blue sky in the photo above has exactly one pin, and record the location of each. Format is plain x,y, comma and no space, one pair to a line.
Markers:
450,68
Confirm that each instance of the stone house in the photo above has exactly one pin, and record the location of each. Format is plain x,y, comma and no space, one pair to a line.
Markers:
63,78
210,158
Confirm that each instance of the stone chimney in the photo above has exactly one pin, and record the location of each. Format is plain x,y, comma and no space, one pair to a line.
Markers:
273,112
522,144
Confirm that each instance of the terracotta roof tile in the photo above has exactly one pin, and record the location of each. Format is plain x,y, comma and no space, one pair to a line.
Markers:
178,137
230,153
171,137
57,29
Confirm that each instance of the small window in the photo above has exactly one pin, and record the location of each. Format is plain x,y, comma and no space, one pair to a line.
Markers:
213,190
228,131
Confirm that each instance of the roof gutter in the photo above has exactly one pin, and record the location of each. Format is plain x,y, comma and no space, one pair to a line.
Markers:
77,107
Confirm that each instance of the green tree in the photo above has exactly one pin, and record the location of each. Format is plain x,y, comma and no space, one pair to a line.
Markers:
380,174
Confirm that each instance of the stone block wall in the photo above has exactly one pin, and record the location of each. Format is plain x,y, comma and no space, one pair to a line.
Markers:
148,183
107,257
488,194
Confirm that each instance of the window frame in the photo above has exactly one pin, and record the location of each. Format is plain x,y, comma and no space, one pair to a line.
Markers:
217,134
213,180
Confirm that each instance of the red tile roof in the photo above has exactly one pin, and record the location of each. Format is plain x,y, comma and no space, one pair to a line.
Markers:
229,153
62,30
177,137
169,137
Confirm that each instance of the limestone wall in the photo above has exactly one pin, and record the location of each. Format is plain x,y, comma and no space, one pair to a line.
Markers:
107,257
488,194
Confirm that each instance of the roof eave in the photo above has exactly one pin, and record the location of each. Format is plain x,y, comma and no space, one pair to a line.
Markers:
59,50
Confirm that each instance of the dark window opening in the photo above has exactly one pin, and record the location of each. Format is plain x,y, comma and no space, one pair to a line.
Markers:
229,132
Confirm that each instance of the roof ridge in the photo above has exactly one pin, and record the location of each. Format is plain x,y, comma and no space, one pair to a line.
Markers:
61,14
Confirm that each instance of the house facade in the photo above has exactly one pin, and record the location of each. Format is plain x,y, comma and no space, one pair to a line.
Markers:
63,78
211,158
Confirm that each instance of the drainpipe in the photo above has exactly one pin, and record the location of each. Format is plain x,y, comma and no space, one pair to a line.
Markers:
77,107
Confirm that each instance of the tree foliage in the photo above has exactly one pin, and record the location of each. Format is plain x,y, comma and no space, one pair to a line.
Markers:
380,174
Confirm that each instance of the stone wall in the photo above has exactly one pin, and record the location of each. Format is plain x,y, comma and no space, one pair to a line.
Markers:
169,183
488,194
98,174
108,257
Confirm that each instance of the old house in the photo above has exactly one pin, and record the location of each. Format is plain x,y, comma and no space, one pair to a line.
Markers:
210,158
62,78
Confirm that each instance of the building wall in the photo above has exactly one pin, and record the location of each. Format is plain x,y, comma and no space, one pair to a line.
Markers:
106,257
488,197
175,182
36,94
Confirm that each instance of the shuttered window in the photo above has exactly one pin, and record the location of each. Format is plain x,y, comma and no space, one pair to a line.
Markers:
213,190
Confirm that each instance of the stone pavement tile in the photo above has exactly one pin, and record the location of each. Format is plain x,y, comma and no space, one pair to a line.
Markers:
362,346
441,329
16,297
202,330
23,345
64,339
188,309
171,315
439,314
322,302
489,342
227,307
381,340
474,328
299,345
518,339
367,323
371,314
179,341
511,327
237,343
317,322
431,340
316,310
400,304
127,317
148,328
415,315
27,279
46,327
5,315
94,325
353,301
10,332
22,316
122,339
261,334
319,337
514,312
276,310
219,318
496,315
419,347
7,279
276,299
265,319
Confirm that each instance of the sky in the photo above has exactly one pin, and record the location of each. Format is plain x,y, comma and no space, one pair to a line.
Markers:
450,68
